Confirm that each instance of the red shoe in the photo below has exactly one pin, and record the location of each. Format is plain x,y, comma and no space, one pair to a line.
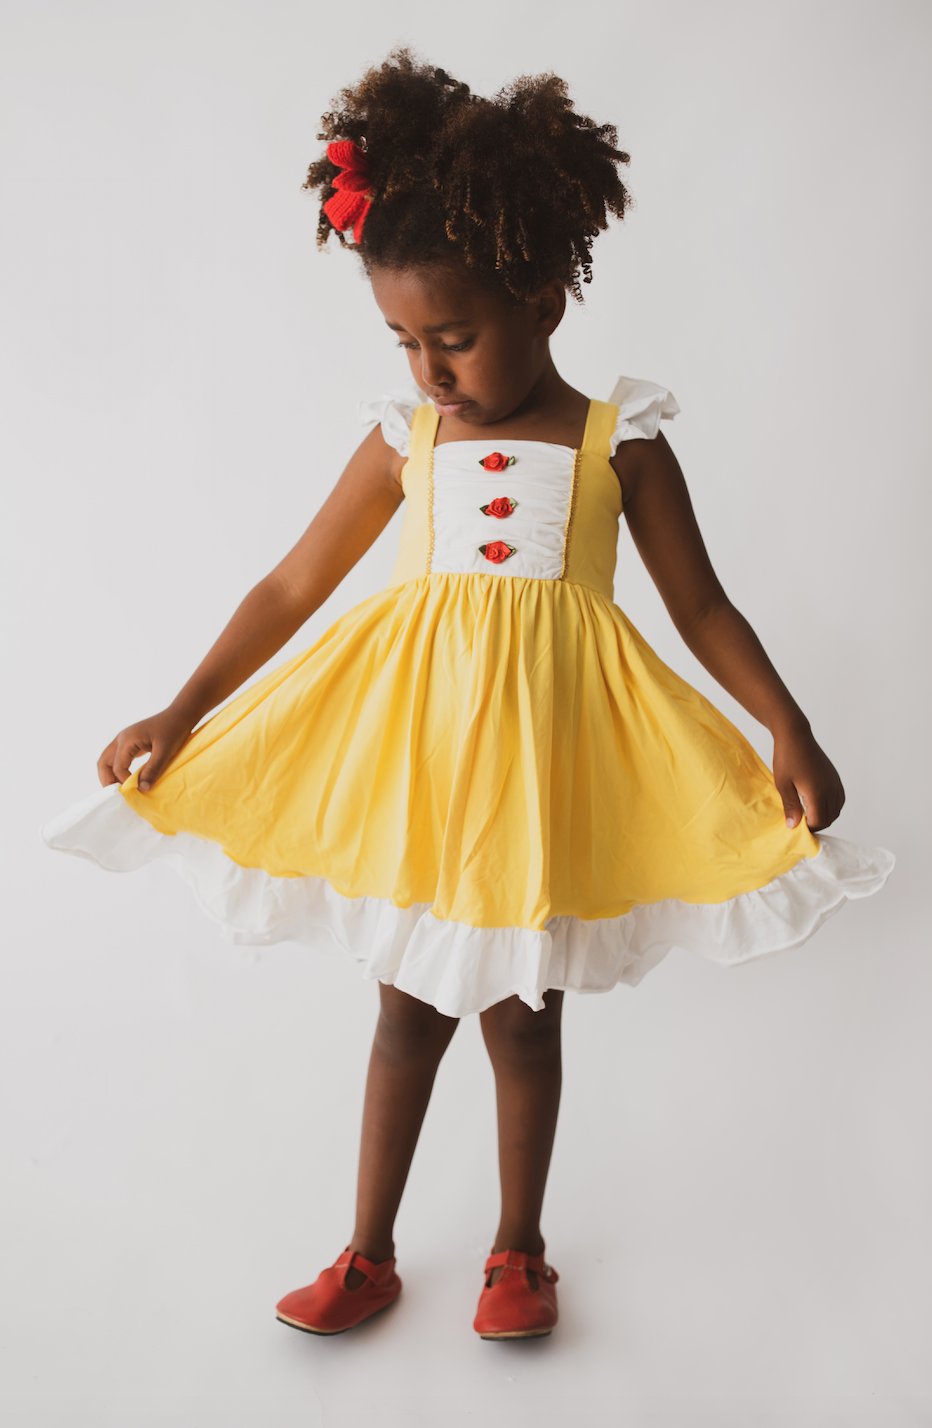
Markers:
511,1308
328,1307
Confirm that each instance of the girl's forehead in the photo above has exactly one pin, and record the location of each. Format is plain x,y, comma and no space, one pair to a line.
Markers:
433,296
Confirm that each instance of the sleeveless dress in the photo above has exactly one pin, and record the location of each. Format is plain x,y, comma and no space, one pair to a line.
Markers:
482,781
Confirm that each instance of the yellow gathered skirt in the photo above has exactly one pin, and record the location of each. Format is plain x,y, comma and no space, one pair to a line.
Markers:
507,751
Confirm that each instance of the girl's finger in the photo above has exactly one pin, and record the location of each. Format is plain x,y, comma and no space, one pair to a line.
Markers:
151,770
825,811
816,805
161,756
792,806
105,765
125,753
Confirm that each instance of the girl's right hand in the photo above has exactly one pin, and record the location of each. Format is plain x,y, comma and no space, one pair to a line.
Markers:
160,737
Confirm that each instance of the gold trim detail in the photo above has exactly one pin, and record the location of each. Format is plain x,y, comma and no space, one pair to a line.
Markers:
430,511
571,511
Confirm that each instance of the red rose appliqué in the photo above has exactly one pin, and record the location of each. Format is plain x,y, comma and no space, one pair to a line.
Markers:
497,551
496,462
501,507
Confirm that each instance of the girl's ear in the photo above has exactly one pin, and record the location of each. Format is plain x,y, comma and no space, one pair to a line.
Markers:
550,305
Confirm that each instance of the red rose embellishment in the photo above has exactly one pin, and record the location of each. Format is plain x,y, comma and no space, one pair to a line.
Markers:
497,462
497,551
501,507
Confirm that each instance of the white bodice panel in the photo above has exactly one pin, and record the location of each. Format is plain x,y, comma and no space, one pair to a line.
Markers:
540,483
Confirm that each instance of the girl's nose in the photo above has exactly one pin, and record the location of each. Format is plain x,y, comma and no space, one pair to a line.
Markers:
434,371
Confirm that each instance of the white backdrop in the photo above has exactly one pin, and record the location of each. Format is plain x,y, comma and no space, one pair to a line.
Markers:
740,1192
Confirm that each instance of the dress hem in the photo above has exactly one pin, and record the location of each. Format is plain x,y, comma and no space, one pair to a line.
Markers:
460,969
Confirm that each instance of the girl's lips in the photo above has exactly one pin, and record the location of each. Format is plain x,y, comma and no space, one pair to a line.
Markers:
450,408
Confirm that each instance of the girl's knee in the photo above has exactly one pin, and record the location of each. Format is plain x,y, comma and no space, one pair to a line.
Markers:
516,1035
408,1027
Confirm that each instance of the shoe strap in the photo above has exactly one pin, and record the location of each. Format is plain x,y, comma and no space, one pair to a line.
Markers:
517,1259
380,1274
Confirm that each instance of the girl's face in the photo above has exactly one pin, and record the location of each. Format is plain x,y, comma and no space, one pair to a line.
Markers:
476,355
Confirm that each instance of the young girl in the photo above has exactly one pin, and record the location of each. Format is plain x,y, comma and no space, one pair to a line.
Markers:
482,782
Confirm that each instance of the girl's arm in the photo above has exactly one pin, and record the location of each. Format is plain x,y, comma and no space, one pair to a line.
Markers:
357,510
663,526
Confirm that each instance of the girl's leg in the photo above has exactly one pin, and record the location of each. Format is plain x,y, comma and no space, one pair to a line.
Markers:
410,1039
524,1048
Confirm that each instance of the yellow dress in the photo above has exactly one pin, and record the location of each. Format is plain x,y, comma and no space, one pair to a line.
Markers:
482,781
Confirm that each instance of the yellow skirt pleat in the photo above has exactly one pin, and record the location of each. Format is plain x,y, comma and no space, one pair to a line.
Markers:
507,750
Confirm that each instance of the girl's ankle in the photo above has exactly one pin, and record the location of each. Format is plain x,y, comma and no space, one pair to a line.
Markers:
375,1250
526,1243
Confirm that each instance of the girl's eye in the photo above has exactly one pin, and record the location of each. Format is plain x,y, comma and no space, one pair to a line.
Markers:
445,347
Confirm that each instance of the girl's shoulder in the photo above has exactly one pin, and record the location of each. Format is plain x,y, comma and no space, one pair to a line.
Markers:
642,406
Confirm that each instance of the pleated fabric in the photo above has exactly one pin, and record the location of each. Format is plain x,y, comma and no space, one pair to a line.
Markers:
506,751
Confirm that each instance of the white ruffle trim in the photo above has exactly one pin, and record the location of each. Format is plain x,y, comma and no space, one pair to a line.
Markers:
394,413
642,406
461,969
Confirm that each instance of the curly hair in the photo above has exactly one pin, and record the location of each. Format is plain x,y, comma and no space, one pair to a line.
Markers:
517,186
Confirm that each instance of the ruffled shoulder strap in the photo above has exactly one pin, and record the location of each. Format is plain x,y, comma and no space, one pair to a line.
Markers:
642,406
394,413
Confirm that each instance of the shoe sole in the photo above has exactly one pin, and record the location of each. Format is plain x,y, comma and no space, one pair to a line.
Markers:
519,1334
329,1333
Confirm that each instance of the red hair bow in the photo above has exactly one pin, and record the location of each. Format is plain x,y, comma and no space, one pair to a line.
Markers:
350,204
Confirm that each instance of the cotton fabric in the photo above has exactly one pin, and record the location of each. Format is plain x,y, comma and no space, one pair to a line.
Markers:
482,781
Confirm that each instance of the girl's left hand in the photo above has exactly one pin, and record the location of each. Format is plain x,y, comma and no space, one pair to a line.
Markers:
806,780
